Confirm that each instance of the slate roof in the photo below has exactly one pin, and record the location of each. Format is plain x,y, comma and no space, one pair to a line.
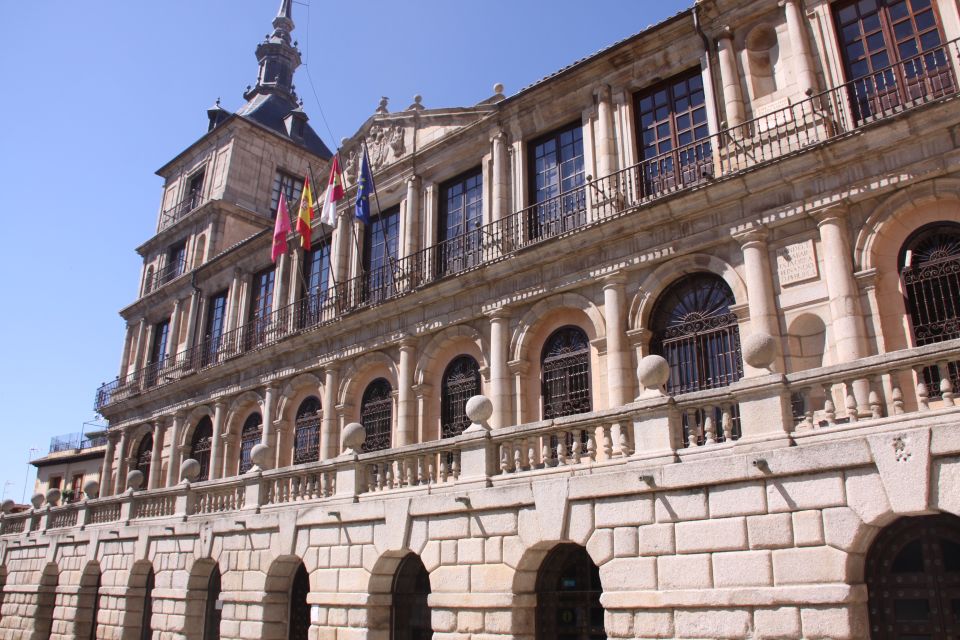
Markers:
269,110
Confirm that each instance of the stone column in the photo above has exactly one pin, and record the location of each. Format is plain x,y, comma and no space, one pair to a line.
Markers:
280,283
500,200
173,464
127,346
193,313
216,441
295,282
759,280
730,77
518,369
269,435
606,152
406,399
799,46
343,240
139,348
233,301
430,236
173,341
618,360
411,221
156,453
845,314
329,445
499,372
106,472
120,480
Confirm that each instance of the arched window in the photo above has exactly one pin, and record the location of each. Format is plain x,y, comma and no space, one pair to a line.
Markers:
200,446
695,330
565,367
146,630
145,456
306,437
299,626
409,611
249,437
912,573
568,596
930,271
211,618
461,381
376,415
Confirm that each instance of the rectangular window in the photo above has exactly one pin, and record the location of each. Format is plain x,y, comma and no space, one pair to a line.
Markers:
195,189
290,186
77,486
54,482
216,324
673,137
892,54
158,350
558,200
380,246
261,302
461,216
316,279
176,260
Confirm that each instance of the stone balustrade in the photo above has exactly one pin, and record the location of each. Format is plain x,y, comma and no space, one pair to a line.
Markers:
654,429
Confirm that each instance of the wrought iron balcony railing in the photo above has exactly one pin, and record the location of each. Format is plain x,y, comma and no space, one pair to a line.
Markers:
76,442
164,275
818,119
181,209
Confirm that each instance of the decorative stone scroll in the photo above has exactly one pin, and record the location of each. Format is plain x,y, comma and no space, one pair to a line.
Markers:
797,263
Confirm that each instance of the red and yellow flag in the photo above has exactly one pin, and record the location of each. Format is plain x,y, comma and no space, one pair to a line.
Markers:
305,217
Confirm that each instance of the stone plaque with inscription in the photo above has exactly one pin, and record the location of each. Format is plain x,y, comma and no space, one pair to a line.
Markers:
796,263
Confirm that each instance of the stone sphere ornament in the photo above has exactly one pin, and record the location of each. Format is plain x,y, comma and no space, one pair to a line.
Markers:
653,372
354,435
759,350
91,489
259,455
135,480
7,505
479,409
53,497
37,500
189,470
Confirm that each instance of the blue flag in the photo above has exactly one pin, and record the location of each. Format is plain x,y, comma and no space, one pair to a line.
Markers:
364,188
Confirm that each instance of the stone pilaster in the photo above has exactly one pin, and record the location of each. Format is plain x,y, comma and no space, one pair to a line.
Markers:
500,394
759,280
216,442
329,445
156,454
730,77
800,46
619,385
173,464
406,401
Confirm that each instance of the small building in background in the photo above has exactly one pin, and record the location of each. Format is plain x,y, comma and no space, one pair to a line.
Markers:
72,460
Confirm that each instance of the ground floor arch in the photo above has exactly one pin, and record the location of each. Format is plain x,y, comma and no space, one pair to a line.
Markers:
913,579
568,596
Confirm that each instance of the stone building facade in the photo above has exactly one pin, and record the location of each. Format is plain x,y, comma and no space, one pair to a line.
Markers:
662,346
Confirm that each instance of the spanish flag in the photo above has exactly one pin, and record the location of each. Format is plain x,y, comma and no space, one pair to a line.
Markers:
305,216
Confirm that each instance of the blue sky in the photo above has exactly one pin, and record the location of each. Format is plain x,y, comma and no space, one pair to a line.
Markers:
98,95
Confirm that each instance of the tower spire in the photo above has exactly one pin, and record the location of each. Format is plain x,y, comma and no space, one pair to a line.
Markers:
278,58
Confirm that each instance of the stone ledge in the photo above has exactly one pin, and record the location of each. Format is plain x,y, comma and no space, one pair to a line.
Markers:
740,597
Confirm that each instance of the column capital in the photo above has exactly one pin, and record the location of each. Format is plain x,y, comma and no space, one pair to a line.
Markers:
831,214
219,405
867,278
615,279
180,415
333,367
518,366
499,313
413,180
237,272
113,437
750,235
184,449
408,343
726,33
603,92
421,390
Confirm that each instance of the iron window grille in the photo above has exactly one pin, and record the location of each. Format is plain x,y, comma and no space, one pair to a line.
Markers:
461,381
200,446
145,456
249,438
376,415
306,439
565,366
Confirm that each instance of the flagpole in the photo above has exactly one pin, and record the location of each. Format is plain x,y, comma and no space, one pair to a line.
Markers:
333,275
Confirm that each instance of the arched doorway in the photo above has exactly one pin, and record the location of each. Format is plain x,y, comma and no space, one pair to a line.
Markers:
299,625
565,373
461,381
212,610
306,436
376,415
929,264
568,596
409,611
913,580
145,457
200,446
146,622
